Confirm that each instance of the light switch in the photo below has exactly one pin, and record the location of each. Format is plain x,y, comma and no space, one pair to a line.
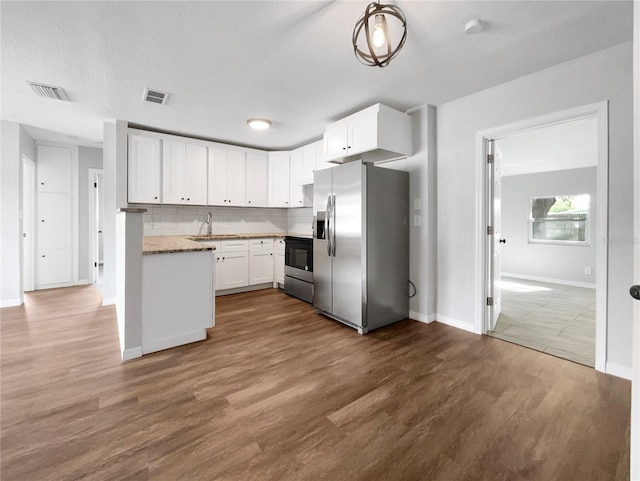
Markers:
416,204
417,220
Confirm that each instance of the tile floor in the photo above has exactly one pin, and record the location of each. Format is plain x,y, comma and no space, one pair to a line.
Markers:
552,318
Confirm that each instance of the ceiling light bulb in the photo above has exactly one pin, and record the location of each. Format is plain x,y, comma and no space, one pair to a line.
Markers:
379,38
259,124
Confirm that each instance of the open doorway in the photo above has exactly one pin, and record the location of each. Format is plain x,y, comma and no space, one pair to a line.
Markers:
546,211
28,223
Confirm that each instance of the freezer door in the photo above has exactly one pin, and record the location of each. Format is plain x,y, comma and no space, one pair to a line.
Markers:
347,239
322,262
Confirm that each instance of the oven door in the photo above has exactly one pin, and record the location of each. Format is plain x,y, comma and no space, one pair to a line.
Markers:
298,258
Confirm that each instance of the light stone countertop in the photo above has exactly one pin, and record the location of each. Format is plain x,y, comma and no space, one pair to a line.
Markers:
169,244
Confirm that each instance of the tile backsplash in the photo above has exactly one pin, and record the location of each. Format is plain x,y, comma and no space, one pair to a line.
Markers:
299,221
188,220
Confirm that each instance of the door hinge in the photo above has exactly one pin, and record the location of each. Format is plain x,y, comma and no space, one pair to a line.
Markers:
95,264
489,301
489,230
95,185
490,159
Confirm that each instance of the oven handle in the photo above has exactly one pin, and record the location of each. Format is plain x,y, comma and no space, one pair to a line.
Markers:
327,228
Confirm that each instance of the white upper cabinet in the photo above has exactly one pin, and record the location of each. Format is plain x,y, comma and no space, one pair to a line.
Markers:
144,170
257,180
373,134
227,177
184,173
320,158
196,174
279,179
173,170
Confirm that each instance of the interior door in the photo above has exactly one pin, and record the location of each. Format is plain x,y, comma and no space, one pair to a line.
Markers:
497,236
494,237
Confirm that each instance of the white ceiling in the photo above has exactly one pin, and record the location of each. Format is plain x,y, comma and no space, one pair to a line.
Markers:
568,146
290,61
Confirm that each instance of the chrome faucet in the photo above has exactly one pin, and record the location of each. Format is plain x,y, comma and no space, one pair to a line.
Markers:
209,223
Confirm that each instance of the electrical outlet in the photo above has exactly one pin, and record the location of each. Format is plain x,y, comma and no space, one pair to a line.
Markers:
417,220
587,271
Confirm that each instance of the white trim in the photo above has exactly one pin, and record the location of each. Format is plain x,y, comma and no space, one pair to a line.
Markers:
599,112
131,353
84,282
173,341
618,370
10,302
550,280
426,318
109,301
450,321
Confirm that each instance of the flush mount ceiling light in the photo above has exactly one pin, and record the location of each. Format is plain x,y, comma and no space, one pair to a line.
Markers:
475,26
259,124
377,48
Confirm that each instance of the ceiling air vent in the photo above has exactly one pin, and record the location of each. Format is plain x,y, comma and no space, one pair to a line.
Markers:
155,96
48,91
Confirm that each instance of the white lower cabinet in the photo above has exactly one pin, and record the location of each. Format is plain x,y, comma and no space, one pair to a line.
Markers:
232,270
261,262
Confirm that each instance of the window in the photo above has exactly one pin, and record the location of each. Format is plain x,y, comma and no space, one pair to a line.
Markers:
561,219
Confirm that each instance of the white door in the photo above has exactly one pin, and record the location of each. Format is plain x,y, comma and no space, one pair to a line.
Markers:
218,166
144,170
257,180
196,174
237,179
497,236
279,179
28,221
173,172
493,238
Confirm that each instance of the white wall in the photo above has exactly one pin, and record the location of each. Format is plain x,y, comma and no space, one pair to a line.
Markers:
88,157
604,75
555,261
299,221
16,142
114,164
422,239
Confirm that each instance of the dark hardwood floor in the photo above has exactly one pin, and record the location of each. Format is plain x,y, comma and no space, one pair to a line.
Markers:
280,393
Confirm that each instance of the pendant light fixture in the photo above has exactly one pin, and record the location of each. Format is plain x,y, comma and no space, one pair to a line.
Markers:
372,40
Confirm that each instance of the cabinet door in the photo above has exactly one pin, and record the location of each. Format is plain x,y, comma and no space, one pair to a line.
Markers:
196,174
236,179
173,168
257,180
321,163
54,267
217,282
261,268
309,162
54,169
335,141
234,269
217,189
363,133
144,170
279,179
296,194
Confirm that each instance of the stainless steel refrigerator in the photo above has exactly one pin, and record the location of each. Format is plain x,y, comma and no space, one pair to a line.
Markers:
361,245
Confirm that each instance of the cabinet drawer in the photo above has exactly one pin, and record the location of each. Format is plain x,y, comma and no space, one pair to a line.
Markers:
261,246
278,245
234,245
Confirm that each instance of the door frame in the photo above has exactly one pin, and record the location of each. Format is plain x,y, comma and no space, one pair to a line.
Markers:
93,224
29,221
598,112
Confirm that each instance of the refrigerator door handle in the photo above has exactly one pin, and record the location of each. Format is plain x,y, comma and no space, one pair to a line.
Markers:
333,223
328,225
